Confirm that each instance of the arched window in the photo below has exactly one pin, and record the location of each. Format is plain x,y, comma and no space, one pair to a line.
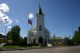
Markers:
33,41
40,28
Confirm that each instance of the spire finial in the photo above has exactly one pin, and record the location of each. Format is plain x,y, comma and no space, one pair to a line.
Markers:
40,10
39,3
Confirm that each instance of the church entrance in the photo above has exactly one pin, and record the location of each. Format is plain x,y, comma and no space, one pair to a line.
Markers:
40,40
34,41
45,42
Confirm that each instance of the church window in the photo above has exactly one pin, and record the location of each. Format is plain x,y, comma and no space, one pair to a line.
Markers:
40,28
45,35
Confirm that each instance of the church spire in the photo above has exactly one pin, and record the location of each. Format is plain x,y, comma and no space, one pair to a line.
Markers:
40,10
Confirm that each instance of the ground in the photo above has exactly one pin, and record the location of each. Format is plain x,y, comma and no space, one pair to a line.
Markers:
70,49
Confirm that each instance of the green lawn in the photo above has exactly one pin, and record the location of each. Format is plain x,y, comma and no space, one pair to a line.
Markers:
12,46
15,46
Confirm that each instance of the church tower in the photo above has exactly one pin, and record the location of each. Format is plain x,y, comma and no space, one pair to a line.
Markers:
38,34
40,22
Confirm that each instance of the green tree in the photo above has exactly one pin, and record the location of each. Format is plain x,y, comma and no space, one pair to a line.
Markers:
25,40
21,41
68,41
3,38
1,35
76,37
9,36
14,34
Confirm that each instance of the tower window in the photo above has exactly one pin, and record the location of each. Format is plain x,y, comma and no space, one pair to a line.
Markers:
40,28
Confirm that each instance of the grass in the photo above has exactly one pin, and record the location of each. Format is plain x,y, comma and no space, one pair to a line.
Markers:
15,46
12,46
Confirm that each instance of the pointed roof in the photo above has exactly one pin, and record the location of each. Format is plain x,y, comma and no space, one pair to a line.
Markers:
40,10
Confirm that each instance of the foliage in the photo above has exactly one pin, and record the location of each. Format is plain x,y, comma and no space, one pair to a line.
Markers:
76,37
25,40
14,34
68,41
3,39
1,35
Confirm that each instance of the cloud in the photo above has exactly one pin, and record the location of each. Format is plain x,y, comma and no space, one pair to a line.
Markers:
1,14
9,27
1,20
31,15
3,9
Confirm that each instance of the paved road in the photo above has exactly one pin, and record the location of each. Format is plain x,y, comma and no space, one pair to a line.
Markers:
75,49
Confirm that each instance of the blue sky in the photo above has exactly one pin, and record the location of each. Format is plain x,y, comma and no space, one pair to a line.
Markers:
62,17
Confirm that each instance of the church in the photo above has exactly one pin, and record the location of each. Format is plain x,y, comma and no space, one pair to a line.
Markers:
38,34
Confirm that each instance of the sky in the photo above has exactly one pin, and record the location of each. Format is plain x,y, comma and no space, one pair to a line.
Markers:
62,17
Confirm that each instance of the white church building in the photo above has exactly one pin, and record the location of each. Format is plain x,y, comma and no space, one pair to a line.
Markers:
38,34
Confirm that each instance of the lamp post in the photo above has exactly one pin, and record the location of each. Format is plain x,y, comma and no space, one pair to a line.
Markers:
5,32
5,27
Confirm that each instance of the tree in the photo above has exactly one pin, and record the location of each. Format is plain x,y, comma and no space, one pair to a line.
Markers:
76,37
0,38
3,39
79,29
25,40
14,34
9,36
1,35
21,41
68,41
